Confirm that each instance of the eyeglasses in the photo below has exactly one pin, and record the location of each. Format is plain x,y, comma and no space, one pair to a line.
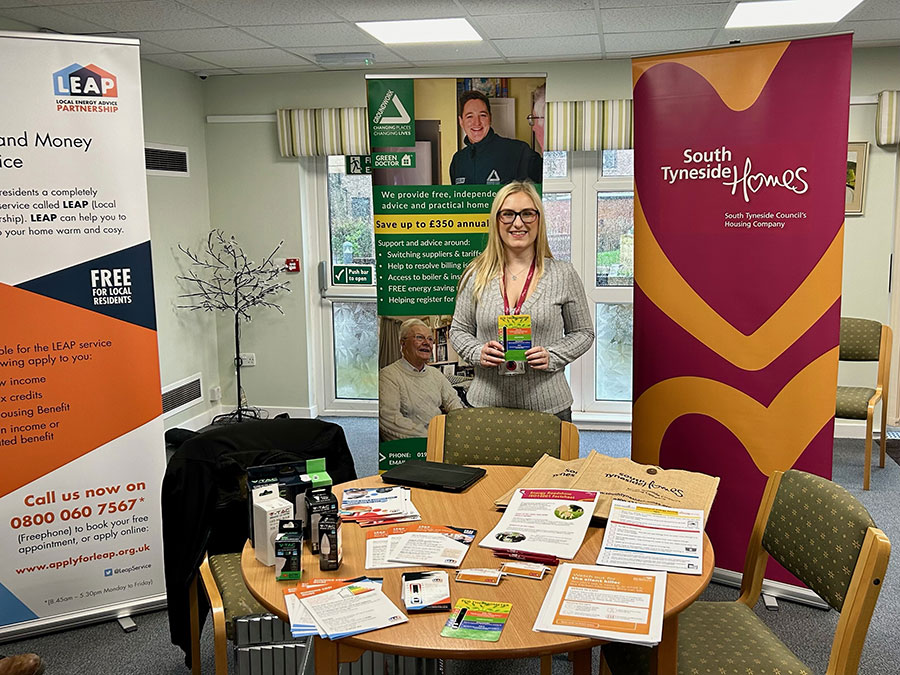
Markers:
422,339
508,216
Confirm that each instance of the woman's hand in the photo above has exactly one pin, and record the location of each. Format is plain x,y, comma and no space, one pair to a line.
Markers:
492,354
538,358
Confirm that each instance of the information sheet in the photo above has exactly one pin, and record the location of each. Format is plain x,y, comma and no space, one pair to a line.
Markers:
653,538
606,603
354,608
548,521
429,545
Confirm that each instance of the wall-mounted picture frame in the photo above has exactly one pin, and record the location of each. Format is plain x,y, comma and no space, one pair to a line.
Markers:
857,163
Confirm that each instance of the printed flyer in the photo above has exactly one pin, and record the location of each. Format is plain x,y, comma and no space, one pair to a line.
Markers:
740,164
432,194
81,438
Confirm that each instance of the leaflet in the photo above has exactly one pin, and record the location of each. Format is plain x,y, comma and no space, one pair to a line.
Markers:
477,620
431,545
425,591
651,537
301,621
354,608
377,543
549,521
380,505
382,544
606,603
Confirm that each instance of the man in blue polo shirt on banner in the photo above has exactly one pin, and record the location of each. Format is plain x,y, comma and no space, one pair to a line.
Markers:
489,159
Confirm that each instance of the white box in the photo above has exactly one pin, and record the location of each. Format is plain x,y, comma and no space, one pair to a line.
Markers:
268,509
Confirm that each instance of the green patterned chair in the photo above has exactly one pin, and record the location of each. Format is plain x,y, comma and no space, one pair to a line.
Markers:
221,579
820,533
500,436
866,340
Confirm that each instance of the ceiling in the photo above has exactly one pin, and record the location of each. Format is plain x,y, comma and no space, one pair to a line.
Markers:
227,37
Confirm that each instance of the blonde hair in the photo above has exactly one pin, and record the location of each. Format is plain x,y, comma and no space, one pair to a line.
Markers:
489,263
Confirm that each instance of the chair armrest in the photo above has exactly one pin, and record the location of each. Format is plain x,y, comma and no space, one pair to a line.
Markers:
217,608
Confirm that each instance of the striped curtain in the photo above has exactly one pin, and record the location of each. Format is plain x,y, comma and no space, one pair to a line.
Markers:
887,118
589,125
308,132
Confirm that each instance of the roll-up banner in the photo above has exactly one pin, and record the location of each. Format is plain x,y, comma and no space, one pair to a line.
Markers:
81,437
432,190
740,166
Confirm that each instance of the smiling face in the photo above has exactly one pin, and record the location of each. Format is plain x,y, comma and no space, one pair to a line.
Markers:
475,120
416,346
517,236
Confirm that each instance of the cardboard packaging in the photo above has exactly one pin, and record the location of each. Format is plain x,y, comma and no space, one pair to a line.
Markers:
319,502
293,480
289,550
331,550
268,509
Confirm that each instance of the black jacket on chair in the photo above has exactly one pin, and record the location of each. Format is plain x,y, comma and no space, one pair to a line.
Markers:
204,496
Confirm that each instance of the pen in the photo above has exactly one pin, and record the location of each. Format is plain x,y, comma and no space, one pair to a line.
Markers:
526,556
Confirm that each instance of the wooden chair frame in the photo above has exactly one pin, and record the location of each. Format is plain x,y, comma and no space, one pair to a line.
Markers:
881,394
862,594
217,609
437,428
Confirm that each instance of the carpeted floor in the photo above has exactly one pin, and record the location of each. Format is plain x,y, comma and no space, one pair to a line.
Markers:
104,649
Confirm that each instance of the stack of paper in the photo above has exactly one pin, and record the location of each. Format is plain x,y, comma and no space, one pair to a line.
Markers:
378,506
419,544
607,603
340,608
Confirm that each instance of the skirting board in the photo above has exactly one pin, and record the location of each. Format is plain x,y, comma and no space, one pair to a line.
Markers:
774,588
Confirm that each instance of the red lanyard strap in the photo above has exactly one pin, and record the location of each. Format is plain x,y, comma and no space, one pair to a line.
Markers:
521,302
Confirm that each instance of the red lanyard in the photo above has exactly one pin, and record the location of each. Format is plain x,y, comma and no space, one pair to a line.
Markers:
521,302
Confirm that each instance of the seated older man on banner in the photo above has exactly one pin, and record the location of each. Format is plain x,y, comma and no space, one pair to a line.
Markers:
410,393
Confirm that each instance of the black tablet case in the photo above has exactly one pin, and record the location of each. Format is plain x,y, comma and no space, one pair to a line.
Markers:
433,475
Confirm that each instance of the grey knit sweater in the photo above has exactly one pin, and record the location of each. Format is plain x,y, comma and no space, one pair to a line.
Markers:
560,322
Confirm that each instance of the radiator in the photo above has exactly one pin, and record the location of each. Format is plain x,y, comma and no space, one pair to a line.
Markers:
263,646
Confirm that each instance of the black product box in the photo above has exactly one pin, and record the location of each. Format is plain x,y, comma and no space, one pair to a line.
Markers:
319,502
289,550
331,549
293,479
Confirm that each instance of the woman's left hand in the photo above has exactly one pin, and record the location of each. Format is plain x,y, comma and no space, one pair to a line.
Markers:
538,358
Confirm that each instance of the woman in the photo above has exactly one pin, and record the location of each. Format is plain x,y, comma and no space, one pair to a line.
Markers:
517,274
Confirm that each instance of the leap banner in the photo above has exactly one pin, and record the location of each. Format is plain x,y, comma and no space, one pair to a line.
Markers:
740,163
81,437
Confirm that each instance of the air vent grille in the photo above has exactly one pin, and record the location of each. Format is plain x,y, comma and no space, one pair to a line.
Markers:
182,395
166,160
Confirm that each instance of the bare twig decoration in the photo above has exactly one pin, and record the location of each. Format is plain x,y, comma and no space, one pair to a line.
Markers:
225,280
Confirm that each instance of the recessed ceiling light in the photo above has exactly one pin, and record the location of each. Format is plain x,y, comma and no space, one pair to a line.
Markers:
421,30
789,12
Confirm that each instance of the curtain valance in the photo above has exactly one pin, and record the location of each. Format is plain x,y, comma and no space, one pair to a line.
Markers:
590,125
307,132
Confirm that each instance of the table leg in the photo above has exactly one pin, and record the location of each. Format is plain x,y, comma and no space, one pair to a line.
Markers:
581,662
664,659
326,656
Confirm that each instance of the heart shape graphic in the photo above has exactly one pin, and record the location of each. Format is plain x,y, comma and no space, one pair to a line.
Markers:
682,123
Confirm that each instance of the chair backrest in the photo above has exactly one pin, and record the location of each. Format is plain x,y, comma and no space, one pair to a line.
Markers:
822,534
860,339
500,436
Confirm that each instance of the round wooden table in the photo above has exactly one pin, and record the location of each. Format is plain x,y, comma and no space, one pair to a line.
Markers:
421,635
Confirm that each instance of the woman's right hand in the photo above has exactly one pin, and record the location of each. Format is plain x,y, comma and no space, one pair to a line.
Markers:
492,354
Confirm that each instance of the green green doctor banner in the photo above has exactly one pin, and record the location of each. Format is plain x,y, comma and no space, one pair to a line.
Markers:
439,155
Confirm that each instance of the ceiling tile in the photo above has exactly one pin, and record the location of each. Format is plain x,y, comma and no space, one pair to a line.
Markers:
202,39
382,54
513,7
769,33
644,43
47,17
613,4
536,48
662,18
542,24
142,15
239,58
180,61
147,47
257,12
315,35
392,10
444,51
876,9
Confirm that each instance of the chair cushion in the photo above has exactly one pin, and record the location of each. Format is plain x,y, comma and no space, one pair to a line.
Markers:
860,339
226,569
815,530
500,436
715,638
852,402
